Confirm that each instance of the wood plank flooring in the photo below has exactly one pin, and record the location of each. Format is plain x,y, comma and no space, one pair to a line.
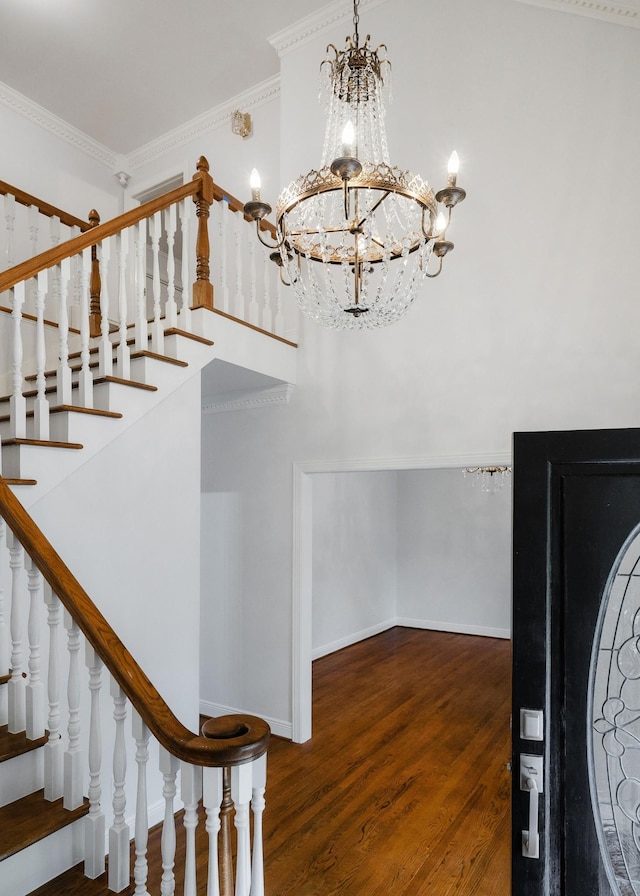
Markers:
403,788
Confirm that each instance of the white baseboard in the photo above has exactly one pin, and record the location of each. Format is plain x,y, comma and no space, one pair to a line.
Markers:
460,629
326,649
278,727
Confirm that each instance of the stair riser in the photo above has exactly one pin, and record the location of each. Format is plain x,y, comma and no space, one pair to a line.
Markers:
21,776
32,867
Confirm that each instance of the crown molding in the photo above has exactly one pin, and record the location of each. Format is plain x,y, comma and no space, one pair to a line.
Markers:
627,13
306,29
219,116
37,114
242,401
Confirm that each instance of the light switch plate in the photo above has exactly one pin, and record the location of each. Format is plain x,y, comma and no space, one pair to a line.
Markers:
531,724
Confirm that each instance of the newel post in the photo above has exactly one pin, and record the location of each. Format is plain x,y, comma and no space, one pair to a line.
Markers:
95,285
203,288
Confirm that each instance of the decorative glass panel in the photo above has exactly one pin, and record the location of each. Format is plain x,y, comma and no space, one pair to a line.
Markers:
613,738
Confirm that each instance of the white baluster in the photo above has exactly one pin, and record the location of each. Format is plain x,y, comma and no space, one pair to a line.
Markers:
171,309
105,350
140,868
141,331
123,357
212,799
157,332
169,768
259,768
9,219
54,230
238,224
267,313
63,378
119,870
94,831
17,403
41,405
253,317
241,795
85,379
191,793
223,223
73,791
35,688
33,217
53,755
4,634
185,229
16,688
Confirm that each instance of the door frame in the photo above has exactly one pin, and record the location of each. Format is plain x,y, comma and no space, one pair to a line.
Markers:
302,571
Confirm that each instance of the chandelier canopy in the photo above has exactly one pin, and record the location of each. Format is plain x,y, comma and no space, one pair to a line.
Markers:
356,236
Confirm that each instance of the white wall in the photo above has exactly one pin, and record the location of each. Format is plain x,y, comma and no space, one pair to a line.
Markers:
533,323
454,554
127,523
354,549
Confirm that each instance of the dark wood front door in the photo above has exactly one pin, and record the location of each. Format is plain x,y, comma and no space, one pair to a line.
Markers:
576,642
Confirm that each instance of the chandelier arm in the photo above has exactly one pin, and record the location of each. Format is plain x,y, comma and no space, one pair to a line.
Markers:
439,271
277,245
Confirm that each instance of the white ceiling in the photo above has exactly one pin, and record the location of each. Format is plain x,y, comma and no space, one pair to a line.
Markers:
125,72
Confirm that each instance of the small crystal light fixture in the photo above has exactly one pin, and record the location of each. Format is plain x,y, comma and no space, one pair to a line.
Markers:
491,479
241,123
355,237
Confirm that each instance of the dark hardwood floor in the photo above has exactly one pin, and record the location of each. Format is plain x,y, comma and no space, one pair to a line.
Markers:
403,788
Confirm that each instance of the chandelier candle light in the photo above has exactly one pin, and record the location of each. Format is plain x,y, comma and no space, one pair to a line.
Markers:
355,237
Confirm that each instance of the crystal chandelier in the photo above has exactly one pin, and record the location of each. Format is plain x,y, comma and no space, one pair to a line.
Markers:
491,479
355,237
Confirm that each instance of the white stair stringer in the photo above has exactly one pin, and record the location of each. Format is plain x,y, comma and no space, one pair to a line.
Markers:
233,342
39,863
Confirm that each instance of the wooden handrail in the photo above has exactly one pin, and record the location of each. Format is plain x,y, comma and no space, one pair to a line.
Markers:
47,259
94,235
159,718
43,207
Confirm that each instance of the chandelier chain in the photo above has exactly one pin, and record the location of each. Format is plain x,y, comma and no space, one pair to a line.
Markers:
356,21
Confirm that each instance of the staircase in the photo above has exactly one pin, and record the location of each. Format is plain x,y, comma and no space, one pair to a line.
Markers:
88,363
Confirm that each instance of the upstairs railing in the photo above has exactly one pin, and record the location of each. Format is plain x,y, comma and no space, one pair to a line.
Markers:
29,224
126,282
225,770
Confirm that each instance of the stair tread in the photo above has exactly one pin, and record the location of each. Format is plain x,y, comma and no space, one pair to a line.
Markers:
20,481
16,744
149,354
75,368
134,383
70,408
31,819
42,443
175,331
